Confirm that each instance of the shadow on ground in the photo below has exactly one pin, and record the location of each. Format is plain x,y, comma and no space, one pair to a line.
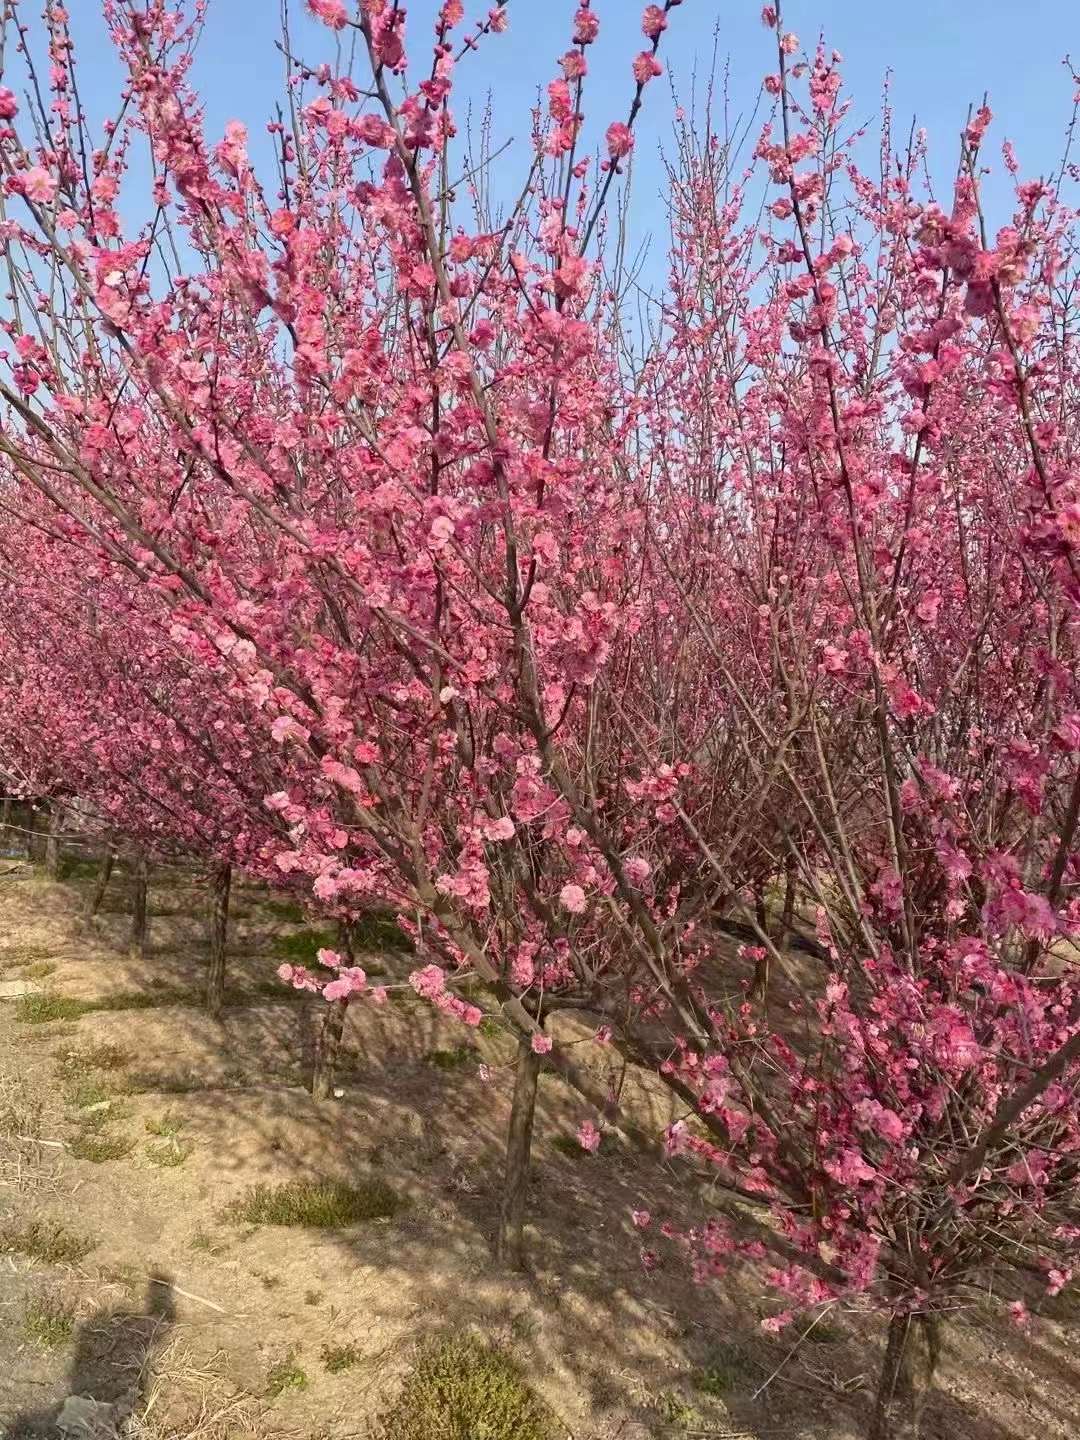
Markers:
111,1364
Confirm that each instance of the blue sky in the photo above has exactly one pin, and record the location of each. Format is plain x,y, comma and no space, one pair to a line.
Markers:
942,54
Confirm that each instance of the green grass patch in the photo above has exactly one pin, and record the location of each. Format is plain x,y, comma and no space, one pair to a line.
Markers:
72,869
85,1093
98,1117
321,1205
207,1244
724,1373
98,1148
301,946
379,930
47,1241
677,1412
286,1377
338,1358
49,1321
461,1057
168,1154
43,1009
164,1126
291,911
47,1007
463,1390
88,1077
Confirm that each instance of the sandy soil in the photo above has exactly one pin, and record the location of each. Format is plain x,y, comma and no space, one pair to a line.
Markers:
180,1314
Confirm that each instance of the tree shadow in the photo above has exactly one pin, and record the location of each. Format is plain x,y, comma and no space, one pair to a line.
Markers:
110,1369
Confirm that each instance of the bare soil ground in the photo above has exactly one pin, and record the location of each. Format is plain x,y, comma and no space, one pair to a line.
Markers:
194,1324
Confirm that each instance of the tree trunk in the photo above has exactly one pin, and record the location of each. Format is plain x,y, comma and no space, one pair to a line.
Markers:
52,839
906,1381
759,987
328,1043
34,838
510,1246
220,885
5,818
788,918
108,860
328,1048
139,920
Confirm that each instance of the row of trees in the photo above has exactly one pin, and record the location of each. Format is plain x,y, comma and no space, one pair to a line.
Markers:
349,536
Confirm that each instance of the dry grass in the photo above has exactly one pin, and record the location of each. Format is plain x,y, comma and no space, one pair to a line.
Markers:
21,1109
186,1401
47,1241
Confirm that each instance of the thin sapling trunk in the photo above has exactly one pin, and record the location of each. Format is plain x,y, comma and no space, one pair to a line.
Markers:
139,916
511,1238
220,886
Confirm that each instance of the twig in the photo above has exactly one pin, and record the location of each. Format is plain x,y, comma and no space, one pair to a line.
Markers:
199,1299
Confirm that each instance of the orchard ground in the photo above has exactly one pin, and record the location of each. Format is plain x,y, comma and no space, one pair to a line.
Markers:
132,1135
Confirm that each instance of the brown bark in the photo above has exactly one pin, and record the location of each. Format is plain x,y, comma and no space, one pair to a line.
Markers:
52,839
510,1245
328,1043
759,986
788,917
35,840
139,918
220,886
328,1048
906,1380
108,860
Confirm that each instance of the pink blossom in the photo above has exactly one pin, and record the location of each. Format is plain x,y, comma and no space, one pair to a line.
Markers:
620,140
428,982
330,12
586,26
501,829
589,1137
848,1167
347,982
641,1218
541,1044
654,21
646,67
38,185
572,898
637,870
9,105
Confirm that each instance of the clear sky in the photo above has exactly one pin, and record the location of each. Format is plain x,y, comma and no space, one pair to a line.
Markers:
943,54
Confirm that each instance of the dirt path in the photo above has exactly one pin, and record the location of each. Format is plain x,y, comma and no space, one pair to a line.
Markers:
135,1130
